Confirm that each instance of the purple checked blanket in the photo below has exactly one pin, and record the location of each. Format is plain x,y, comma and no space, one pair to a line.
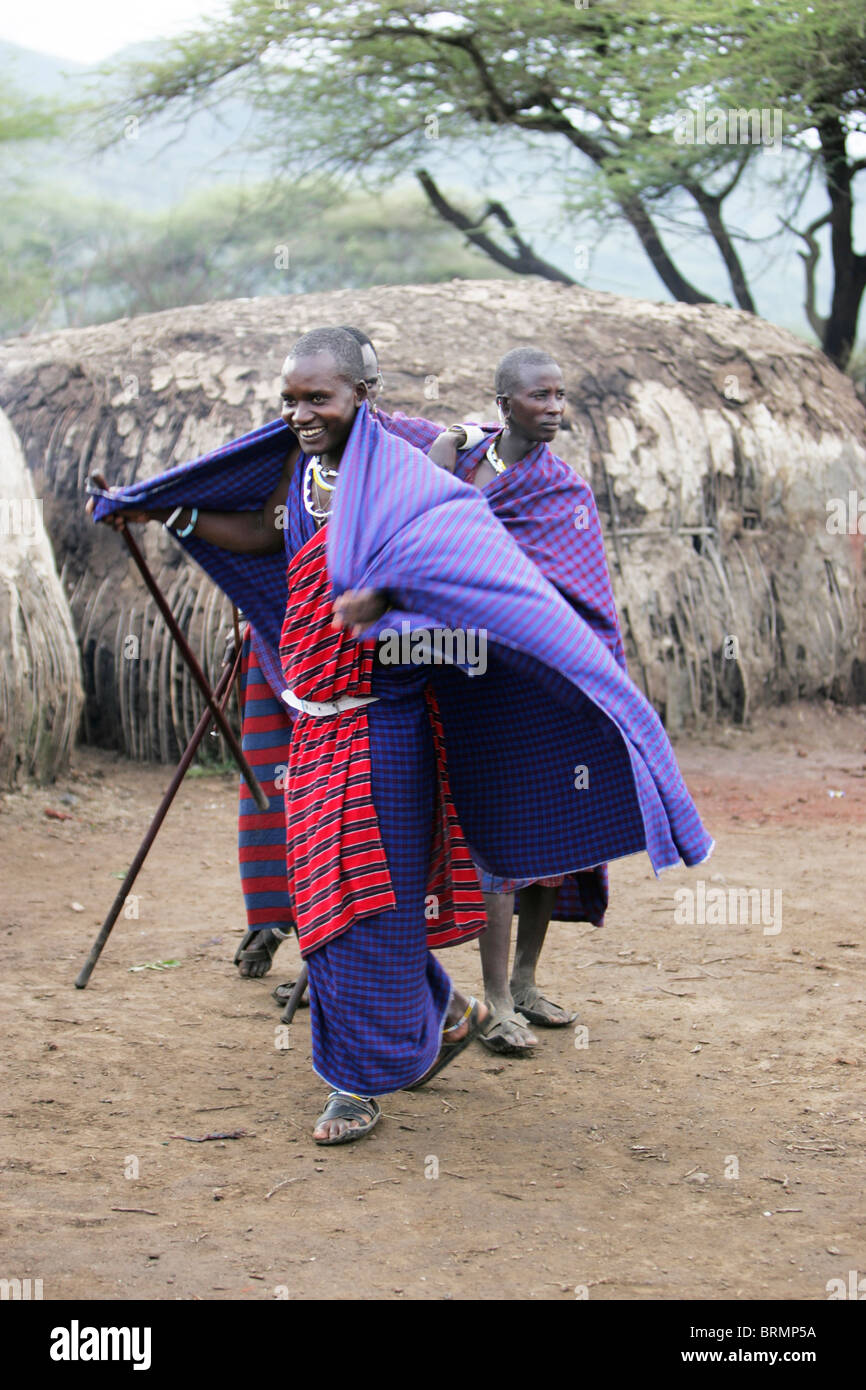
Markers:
240,476
237,477
557,762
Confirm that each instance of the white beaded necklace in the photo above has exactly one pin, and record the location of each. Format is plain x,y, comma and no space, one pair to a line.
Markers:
496,463
315,470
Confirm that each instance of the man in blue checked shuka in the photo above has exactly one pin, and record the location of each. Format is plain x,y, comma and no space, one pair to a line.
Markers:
408,547
267,723
551,513
377,867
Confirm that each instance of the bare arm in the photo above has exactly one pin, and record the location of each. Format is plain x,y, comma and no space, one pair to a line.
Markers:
250,533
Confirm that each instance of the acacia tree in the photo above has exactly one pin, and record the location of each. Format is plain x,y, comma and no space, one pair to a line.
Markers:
363,86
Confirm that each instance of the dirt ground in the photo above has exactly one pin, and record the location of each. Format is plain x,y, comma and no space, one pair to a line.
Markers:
707,1142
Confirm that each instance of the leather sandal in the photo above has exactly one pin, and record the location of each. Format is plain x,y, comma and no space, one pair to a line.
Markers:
262,953
449,1050
495,1042
344,1105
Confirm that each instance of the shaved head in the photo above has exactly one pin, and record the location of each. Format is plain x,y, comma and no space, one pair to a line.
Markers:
340,344
511,372
358,334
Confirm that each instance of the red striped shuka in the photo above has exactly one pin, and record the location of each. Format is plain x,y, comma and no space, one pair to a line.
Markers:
337,869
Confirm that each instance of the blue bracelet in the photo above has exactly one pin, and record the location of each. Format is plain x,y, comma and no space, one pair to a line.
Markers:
188,530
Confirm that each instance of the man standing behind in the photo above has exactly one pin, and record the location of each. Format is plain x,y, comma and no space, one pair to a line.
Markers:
550,511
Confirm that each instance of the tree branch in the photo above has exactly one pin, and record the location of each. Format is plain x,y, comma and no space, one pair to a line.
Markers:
523,261
631,205
710,205
810,260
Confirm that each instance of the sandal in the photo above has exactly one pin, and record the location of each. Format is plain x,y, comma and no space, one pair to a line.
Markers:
283,994
261,954
448,1051
495,1042
531,1013
345,1105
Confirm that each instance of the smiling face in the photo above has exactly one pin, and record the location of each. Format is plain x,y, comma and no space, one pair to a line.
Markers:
319,404
535,408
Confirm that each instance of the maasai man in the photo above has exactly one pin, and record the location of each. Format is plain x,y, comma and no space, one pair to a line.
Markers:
371,836
267,724
551,513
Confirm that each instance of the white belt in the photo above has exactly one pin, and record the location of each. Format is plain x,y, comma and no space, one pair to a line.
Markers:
320,708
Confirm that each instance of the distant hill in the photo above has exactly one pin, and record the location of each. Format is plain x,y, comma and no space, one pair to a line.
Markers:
38,74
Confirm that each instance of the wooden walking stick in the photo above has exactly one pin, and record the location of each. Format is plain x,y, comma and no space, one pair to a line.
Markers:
295,997
196,672
236,628
221,692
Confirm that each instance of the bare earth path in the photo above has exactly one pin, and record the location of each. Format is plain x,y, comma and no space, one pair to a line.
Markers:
707,1142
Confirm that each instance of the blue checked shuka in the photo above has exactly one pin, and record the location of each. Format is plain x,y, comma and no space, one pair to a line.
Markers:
566,701
557,762
550,511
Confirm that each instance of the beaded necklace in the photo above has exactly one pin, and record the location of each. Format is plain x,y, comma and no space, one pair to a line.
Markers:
496,463
316,472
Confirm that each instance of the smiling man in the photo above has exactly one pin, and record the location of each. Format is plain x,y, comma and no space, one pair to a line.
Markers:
366,783
266,723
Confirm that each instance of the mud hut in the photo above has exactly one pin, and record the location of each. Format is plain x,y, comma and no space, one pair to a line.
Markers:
717,445
40,683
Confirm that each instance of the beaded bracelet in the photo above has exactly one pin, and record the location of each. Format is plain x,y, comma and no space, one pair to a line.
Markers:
187,530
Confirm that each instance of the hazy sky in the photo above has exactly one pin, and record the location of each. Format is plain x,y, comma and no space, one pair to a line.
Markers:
90,30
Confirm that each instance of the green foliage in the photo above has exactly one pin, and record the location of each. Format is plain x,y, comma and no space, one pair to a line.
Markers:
23,120
67,261
363,86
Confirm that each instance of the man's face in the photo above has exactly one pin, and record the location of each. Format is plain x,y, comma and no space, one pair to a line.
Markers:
537,404
371,372
319,405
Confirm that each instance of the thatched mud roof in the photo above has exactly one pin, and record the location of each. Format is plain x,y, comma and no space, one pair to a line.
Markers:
40,683
714,442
